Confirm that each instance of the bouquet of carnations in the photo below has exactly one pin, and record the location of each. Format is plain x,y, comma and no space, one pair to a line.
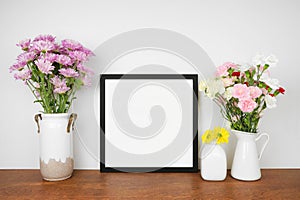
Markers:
52,71
243,91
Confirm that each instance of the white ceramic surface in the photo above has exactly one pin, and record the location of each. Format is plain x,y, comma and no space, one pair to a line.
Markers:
213,163
55,142
246,164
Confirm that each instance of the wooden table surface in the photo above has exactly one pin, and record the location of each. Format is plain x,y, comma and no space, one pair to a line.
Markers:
85,184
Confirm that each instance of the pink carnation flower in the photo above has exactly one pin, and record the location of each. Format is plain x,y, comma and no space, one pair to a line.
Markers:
23,75
44,66
24,44
68,72
222,71
230,65
64,60
71,44
247,105
254,92
241,91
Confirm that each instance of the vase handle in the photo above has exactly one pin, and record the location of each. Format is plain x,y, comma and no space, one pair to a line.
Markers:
36,119
265,144
71,122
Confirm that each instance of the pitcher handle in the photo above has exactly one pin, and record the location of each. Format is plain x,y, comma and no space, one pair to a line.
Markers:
36,119
265,144
71,122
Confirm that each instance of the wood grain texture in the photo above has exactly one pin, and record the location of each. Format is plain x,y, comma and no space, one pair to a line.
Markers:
28,184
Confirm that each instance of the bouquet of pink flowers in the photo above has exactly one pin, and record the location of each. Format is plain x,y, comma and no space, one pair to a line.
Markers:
244,91
53,72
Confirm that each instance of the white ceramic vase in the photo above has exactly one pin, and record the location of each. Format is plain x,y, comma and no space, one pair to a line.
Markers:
213,163
56,145
245,165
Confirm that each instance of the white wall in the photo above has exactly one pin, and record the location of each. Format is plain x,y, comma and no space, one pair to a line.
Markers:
226,30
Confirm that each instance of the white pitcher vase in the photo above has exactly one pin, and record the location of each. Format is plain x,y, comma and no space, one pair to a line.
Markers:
245,165
56,145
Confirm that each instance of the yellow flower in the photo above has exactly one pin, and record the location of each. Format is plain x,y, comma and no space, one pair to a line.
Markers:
208,136
219,134
222,135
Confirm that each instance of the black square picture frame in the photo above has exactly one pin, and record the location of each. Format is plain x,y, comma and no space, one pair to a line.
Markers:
124,159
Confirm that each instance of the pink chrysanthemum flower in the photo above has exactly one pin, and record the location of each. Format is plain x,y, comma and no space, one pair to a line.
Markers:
43,46
44,66
87,51
85,70
24,44
61,90
71,44
23,75
60,86
64,60
68,72
56,81
16,67
78,55
49,38
52,57
86,81
24,58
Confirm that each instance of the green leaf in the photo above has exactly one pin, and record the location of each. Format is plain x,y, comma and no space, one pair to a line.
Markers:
78,83
276,93
261,85
266,67
230,71
248,75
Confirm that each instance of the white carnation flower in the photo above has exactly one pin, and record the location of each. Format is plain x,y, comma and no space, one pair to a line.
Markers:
273,83
214,86
202,85
270,101
264,77
244,67
259,59
228,93
271,60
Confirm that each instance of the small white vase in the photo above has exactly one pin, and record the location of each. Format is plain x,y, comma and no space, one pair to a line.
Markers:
245,165
56,145
213,163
